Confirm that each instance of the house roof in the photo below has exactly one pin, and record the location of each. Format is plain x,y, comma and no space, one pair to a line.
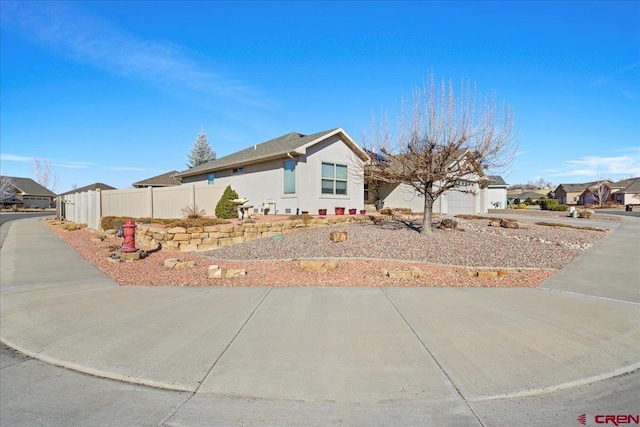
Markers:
29,187
90,187
575,188
275,148
164,180
495,181
524,195
630,185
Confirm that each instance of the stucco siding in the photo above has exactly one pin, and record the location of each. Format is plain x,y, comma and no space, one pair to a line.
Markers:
496,198
264,181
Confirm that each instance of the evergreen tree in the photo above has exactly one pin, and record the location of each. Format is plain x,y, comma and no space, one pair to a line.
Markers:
225,208
201,151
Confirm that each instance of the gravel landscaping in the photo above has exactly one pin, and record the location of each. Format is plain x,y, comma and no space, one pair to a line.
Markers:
526,256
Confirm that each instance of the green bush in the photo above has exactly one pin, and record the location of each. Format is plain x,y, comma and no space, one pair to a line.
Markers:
225,208
552,205
528,201
522,206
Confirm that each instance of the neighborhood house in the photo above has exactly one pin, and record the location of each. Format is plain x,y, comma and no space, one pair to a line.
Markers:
291,174
25,192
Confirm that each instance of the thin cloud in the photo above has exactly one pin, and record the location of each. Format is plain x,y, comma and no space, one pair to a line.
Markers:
15,158
602,166
83,38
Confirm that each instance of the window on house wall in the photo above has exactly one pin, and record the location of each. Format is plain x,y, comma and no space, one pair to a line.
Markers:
290,177
237,170
210,178
334,179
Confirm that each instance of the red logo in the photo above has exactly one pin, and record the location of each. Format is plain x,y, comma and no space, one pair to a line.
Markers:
616,420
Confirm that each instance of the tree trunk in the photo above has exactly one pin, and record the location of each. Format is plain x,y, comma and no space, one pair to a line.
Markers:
428,210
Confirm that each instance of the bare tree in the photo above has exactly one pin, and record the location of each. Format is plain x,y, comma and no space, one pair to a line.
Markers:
600,191
44,174
7,188
442,140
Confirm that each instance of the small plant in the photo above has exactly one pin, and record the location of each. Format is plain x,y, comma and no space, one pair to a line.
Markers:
193,212
522,206
585,213
226,208
528,201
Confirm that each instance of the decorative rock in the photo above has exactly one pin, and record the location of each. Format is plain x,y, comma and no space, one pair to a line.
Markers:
233,273
493,223
170,262
509,224
412,273
488,274
338,236
177,230
184,264
215,272
502,273
318,266
466,272
448,224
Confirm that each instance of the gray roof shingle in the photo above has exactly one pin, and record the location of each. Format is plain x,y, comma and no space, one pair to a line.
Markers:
90,187
496,180
164,180
277,146
29,187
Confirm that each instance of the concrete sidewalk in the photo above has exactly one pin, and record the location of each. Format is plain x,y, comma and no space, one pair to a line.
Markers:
331,356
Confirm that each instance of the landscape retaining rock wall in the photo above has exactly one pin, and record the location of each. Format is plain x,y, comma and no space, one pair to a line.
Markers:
153,236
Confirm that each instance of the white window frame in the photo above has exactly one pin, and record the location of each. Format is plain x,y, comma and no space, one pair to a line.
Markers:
334,179
295,179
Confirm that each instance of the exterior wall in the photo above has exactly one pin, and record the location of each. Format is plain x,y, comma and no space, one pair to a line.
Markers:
496,197
36,202
264,182
405,196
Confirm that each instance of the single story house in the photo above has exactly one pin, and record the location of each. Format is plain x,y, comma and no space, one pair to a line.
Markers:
28,193
519,196
470,196
292,173
569,194
167,179
496,192
624,192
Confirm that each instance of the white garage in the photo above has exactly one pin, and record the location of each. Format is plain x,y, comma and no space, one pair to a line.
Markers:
460,203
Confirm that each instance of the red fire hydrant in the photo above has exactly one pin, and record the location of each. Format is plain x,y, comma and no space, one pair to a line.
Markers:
129,233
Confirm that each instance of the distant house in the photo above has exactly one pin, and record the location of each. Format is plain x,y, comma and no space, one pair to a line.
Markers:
164,180
569,194
520,196
624,192
292,173
28,193
90,187
597,193
627,191
469,196
496,192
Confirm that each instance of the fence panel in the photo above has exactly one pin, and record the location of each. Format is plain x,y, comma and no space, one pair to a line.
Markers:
134,203
207,197
168,202
160,202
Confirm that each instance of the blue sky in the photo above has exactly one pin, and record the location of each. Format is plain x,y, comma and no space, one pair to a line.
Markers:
117,92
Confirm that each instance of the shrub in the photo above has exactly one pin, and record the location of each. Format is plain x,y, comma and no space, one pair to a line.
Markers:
522,206
225,208
192,212
585,213
528,201
549,204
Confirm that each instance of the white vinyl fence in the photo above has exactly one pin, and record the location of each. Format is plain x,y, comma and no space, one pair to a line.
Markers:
151,202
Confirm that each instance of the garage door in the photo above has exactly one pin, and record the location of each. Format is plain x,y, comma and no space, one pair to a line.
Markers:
461,203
